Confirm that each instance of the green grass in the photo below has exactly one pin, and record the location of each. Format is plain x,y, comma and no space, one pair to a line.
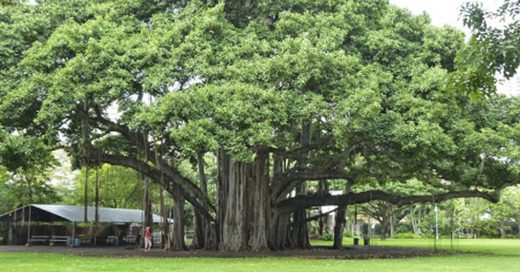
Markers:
489,246
501,255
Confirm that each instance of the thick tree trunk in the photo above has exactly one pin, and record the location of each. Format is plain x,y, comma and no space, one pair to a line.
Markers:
202,231
278,230
178,243
259,203
165,224
339,226
223,161
243,203
234,236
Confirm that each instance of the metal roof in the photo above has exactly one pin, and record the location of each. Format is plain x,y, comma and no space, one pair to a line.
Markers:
76,214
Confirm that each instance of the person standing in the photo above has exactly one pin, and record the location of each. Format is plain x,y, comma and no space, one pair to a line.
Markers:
147,239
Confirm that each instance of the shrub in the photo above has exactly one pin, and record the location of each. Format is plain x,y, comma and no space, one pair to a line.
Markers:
328,236
406,235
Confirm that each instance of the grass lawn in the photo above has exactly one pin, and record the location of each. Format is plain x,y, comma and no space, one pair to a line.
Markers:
501,255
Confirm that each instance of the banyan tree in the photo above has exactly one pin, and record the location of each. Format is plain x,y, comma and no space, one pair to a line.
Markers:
281,94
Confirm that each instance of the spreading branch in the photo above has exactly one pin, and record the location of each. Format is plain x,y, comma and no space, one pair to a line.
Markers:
304,202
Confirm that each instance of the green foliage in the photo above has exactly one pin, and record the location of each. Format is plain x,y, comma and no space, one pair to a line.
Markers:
118,188
406,236
492,49
328,236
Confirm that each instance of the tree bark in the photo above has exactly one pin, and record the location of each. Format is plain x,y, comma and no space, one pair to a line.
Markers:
322,190
278,224
147,207
178,243
202,231
223,162
339,227
299,233
259,204
165,224
234,237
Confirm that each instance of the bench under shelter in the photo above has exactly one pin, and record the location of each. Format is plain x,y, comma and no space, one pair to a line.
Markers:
46,224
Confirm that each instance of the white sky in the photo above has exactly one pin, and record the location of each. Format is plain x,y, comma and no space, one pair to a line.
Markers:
442,12
447,12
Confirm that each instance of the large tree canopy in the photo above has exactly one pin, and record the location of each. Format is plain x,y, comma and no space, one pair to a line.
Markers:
282,93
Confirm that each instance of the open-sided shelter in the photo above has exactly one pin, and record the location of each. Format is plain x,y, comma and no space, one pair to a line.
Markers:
42,223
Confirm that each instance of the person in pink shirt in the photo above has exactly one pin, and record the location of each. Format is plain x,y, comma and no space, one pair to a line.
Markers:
147,239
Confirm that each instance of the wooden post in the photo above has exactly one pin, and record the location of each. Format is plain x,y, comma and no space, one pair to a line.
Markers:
73,244
85,195
29,228
96,216
10,233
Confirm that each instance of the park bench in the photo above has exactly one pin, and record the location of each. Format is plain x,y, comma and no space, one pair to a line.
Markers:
59,239
130,239
38,239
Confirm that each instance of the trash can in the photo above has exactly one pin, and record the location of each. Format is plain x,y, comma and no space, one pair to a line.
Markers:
115,241
77,242
356,241
366,241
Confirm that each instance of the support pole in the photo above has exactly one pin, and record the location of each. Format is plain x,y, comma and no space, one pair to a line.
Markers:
435,237
29,228
85,195
96,214
436,222
73,244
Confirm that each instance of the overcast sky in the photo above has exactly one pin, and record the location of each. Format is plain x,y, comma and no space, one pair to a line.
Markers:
442,12
447,12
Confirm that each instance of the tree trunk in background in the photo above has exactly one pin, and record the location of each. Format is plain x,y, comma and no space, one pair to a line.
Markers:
85,195
502,229
385,227
299,233
322,190
148,219
85,143
392,225
278,223
339,226
178,243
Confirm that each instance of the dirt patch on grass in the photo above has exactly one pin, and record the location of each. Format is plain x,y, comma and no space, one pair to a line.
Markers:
358,252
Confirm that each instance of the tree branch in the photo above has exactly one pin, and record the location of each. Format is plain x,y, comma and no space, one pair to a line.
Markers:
303,202
193,192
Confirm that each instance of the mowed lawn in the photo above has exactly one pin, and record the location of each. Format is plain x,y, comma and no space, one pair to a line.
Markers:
496,255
